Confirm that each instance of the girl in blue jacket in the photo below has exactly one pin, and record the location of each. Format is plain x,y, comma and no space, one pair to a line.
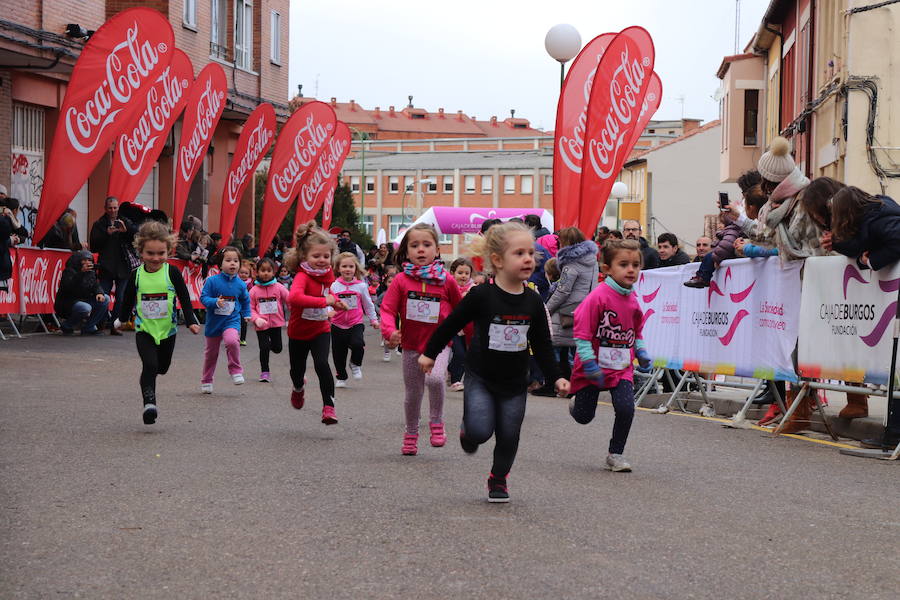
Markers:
227,301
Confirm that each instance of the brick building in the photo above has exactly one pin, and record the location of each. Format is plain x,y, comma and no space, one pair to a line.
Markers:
249,38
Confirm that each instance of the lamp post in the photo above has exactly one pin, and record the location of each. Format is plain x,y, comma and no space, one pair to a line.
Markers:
407,188
563,42
619,191
362,136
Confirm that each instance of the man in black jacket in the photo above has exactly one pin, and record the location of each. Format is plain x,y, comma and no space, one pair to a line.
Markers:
632,231
670,254
80,296
111,237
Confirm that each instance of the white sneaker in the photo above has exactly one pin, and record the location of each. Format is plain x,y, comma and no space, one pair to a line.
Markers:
356,370
387,354
457,386
399,351
616,463
206,388
340,383
238,378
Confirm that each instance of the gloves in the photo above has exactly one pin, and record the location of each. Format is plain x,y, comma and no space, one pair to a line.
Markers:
593,372
644,360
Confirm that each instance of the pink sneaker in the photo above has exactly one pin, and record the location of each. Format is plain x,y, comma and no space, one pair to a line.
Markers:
328,416
438,438
297,398
410,444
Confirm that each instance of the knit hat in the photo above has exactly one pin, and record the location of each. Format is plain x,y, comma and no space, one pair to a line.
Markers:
776,164
2,189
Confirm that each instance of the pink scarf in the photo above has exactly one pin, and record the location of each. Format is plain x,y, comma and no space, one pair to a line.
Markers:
433,273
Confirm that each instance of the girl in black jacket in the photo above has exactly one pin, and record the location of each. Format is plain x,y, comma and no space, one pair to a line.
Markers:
865,227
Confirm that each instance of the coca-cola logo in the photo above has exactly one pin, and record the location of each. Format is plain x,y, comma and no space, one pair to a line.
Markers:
329,203
625,87
571,147
208,105
8,296
162,100
310,190
128,66
308,144
39,285
258,143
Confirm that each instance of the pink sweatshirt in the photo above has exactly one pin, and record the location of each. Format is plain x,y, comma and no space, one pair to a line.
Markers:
267,302
355,294
613,323
420,306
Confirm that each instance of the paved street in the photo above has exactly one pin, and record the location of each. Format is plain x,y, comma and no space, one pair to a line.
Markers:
238,495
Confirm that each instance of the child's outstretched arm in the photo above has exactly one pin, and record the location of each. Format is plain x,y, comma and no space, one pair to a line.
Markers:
464,313
586,317
390,304
206,299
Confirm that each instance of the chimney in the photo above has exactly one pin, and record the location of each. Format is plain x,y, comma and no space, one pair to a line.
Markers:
459,116
391,111
512,113
377,112
494,121
440,113
688,125
353,105
410,105
334,102
300,89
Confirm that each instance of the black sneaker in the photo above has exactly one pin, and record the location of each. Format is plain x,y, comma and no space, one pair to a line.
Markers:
696,282
150,413
547,391
497,490
468,446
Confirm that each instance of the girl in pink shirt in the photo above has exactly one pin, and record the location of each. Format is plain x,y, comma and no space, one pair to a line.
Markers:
607,339
421,295
267,300
347,326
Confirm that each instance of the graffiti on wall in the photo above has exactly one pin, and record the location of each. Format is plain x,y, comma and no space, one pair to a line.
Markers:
26,184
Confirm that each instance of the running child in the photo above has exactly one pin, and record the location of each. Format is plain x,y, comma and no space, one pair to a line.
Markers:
461,269
421,296
267,299
284,277
227,304
308,328
607,339
347,327
509,316
245,273
152,288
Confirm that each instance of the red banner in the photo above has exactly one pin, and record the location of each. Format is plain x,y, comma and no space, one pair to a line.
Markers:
301,141
620,84
255,140
648,108
192,274
140,146
9,299
39,275
318,192
116,67
203,108
571,121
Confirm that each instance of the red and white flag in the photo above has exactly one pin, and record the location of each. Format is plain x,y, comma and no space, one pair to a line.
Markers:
254,142
318,192
648,109
202,111
116,68
140,145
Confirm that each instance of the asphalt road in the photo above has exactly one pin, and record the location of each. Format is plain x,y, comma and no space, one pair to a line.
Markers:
238,495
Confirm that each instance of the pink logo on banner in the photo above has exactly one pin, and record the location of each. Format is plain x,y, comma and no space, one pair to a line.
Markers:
735,297
873,338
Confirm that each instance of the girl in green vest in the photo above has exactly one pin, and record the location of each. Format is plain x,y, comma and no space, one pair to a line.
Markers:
151,290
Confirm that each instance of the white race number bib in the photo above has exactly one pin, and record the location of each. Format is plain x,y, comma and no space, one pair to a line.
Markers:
508,336
614,358
268,306
227,306
154,306
351,300
423,307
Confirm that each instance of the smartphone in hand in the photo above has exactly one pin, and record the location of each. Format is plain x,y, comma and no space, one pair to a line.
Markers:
723,200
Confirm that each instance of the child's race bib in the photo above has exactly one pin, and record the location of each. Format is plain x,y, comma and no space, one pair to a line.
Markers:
350,299
423,307
154,306
614,358
227,306
508,334
268,306
314,314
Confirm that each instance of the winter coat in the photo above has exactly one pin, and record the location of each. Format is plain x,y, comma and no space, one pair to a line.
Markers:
111,247
879,235
76,285
650,255
679,258
550,242
539,278
6,230
723,249
577,276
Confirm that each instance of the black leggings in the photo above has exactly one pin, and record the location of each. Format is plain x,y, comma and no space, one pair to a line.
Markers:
269,341
347,339
155,360
585,406
486,413
318,346
244,332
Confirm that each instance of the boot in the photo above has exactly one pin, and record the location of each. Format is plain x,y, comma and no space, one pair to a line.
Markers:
773,413
857,407
800,420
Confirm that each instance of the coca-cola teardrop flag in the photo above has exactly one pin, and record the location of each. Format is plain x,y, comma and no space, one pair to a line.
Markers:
318,192
301,142
255,140
140,145
620,84
571,121
648,109
202,110
116,67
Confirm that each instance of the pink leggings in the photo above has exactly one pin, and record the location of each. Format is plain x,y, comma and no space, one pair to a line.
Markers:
416,381
232,351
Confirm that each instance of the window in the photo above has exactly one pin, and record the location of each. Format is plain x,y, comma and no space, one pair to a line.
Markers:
368,223
394,224
218,44
470,184
243,34
394,184
527,184
548,184
487,184
275,36
409,183
370,184
431,182
448,184
751,117
354,184
651,131
190,13
509,184
445,238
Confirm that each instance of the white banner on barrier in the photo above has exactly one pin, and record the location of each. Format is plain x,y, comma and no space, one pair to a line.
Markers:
744,324
846,317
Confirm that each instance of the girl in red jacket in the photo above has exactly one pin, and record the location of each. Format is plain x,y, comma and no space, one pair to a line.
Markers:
422,295
309,330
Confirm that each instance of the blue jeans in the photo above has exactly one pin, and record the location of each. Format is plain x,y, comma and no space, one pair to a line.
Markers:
585,406
93,311
707,267
457,366
107,284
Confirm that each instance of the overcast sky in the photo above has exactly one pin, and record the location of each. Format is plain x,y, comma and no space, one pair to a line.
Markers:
485,57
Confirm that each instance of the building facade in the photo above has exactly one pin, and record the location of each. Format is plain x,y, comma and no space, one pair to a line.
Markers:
249,38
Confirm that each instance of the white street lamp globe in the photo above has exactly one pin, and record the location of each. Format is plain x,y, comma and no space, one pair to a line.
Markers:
619,190
563,42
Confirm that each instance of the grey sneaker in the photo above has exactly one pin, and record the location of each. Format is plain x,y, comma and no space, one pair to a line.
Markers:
356,371
617,464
